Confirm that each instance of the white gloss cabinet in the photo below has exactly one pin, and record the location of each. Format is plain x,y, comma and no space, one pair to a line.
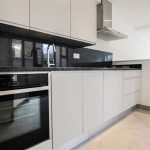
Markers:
131,88
83,100
50,16
131,85
15,12
113,94
92,100
131,100
83,20
73,19
66,106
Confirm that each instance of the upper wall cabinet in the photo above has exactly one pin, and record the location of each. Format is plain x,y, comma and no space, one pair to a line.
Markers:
70,19
83,20
51,16
15,12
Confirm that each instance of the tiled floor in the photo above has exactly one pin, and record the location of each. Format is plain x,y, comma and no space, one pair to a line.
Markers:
131,133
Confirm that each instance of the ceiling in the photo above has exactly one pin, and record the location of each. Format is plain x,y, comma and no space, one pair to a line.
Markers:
135,12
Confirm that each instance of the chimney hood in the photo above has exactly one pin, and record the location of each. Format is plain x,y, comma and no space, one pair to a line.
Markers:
104,23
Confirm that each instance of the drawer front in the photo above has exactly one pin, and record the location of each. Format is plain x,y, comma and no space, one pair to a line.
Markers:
132,74
131,85
131,100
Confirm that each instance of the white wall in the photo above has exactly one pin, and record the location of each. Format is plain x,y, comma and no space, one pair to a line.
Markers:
135,47
123,49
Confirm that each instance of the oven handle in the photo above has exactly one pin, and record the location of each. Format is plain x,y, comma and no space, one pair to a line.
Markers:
19,91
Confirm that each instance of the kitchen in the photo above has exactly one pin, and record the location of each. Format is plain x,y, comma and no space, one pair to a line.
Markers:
74,74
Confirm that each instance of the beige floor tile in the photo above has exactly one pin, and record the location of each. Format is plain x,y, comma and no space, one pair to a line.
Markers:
131,133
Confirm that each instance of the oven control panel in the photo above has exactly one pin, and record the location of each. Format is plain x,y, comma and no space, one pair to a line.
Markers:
21,81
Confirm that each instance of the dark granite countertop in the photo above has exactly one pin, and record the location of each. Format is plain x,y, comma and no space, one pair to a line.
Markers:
15,69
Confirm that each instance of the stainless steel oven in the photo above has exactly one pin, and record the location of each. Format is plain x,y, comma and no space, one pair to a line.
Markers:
24,110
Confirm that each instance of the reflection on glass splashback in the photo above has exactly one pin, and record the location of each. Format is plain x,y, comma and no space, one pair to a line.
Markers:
20,52
44,47
6,54
19,117
28,53
17,52
28,49
43,55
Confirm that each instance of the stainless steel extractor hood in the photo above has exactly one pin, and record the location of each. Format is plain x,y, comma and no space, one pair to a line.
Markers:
104,23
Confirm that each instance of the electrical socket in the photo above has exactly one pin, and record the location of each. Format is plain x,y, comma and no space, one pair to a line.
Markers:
76,56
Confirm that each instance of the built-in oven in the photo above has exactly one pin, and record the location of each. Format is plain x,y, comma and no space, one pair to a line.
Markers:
24,110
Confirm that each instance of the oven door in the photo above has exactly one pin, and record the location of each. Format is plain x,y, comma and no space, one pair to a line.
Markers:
24,119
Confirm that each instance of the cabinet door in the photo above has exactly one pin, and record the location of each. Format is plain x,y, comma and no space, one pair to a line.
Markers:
92,100
131,100
66,106
132,74
50,16
131,85
15,12
113,94
83,20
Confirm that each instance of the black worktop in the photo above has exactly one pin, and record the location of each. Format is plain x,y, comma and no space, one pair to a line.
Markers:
15,69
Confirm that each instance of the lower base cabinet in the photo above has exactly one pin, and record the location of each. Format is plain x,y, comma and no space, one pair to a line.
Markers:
92,100
66,106
131,100
131,88
82,101
113,94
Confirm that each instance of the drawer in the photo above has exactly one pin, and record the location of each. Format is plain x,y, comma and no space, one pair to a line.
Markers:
131,85
131,100
132,74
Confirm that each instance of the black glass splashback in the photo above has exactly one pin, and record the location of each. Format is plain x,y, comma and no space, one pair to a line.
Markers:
26,52
16,51
84,57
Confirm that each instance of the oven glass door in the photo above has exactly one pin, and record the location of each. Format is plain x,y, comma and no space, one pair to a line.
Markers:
24,120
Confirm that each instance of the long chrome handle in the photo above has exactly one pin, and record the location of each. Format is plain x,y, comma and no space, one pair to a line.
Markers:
19,91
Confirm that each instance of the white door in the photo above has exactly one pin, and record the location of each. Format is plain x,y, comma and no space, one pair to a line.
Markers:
50,16
92,99
83,20
15,12
66,106
113,93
